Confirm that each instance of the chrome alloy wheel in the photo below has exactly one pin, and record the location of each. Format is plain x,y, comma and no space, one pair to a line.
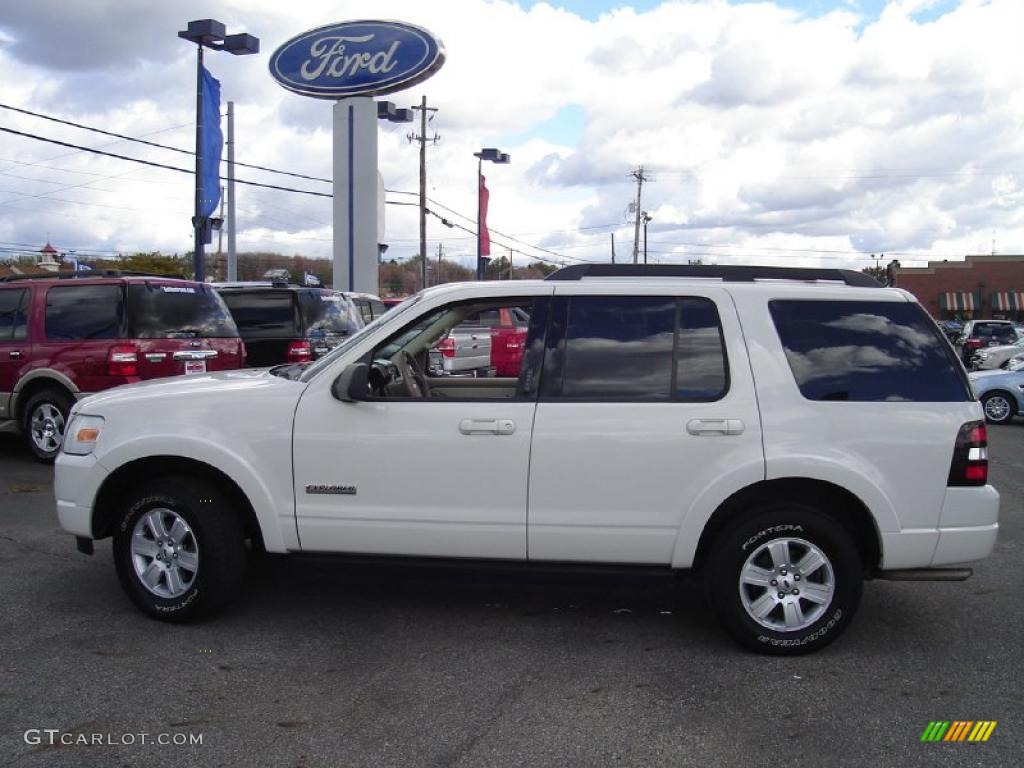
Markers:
787,584
997,408
165,553
47,427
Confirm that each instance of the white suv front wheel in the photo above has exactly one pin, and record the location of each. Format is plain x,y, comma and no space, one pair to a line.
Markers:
784,580
179,548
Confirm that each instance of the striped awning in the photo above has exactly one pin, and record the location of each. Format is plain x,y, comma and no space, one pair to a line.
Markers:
958,301
1008,301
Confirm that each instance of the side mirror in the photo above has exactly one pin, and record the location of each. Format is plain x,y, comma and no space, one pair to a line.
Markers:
351,386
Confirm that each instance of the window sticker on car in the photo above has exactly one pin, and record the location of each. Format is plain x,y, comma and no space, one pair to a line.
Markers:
324,297
176,289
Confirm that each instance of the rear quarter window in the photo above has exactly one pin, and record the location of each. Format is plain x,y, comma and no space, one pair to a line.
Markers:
867,351
75,312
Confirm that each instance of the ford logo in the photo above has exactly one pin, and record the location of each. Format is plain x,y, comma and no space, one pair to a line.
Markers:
357,58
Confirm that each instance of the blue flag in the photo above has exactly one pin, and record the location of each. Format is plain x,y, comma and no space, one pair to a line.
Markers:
211,143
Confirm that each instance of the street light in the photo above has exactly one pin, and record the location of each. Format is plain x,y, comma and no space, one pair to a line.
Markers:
494,156
645,217
209,33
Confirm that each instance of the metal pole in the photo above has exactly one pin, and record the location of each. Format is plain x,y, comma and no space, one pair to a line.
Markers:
509,263
479,203
636,230
232,255
423,187
198,261
613,247
645,237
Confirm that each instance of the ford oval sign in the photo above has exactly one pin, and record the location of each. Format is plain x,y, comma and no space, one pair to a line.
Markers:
357,58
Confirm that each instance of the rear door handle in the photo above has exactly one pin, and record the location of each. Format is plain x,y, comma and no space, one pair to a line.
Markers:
15,354
715,427
487,426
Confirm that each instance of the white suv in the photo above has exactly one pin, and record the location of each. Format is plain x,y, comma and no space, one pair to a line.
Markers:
780,434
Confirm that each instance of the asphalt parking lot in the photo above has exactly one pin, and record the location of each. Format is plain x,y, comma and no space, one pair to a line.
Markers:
330,664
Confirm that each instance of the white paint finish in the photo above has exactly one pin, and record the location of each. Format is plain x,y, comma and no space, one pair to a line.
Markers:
908,549
966,507
613,482
239,422
423,487
365,182
965,545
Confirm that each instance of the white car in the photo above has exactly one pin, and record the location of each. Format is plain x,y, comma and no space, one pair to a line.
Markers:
781,435
987,358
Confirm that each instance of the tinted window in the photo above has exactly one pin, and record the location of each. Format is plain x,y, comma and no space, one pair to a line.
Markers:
12,315
263,314
162,311
84,312
701,372
324,312
867,351
995,332
619,347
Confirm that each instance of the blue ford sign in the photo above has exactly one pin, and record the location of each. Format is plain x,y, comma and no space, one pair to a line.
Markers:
357,58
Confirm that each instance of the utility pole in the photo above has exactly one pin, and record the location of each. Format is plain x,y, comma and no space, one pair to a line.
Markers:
509,263
638,174
232,254
423,139
440,253
646,218
613,247
220,232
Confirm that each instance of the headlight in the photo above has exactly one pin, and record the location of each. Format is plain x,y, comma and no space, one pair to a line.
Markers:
82,434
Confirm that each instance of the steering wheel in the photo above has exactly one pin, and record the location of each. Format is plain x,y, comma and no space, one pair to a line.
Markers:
413,376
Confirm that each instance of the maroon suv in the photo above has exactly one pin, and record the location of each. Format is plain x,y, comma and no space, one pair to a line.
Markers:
62,338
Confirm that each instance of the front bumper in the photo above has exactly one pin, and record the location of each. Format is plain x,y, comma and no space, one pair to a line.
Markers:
77,480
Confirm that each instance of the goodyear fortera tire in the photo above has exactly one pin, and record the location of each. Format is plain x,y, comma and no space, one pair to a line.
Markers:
179,549
786,580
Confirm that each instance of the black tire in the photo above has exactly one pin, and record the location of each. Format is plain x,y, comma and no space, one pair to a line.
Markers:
1003,407
750,536
216,539
43,433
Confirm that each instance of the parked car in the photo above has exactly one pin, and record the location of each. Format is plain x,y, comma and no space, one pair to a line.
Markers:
1000,392
64,337
283,323
391,302
779,439
369,306
983,333
987,358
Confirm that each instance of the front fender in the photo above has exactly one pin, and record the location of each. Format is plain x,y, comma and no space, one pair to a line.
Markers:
258,474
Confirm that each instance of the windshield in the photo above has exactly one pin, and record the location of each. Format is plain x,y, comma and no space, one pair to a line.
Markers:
171,310
328,312
358,336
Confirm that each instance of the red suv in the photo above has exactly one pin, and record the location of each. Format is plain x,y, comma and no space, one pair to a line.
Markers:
62,339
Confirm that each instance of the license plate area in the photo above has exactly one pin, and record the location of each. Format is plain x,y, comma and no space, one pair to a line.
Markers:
193,367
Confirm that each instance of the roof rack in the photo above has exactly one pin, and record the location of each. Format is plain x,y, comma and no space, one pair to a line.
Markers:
728,273
82,274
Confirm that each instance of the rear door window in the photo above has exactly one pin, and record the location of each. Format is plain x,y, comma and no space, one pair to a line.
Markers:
76,312
867,351
636,348
264,314
13,315
163,311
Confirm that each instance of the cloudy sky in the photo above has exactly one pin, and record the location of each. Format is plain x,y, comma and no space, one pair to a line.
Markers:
787,132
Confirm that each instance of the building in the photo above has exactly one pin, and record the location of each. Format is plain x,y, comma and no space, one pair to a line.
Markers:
48,258
978,287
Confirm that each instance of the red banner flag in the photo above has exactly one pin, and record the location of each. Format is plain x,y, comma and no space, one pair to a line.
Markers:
485,236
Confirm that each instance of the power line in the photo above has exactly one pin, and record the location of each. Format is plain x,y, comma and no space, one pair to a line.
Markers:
169,148
155,164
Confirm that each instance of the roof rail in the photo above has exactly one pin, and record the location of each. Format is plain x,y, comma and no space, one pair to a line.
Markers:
83,274
728,273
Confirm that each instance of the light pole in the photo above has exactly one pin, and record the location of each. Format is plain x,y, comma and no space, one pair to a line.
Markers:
645,217
208,33
494,156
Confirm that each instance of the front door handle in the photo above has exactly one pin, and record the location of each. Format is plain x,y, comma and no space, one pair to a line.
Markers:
487,426
715,427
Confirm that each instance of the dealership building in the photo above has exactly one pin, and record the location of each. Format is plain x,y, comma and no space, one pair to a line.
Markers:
977,287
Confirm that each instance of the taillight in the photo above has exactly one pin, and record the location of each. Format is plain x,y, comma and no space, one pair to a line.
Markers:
974,343
970,456
299,352
242,351
123,360
446,346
